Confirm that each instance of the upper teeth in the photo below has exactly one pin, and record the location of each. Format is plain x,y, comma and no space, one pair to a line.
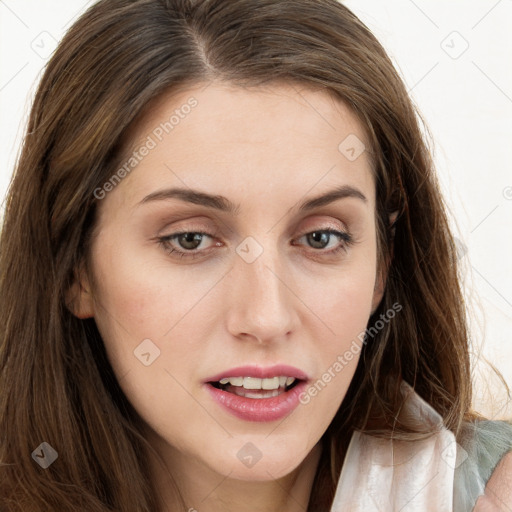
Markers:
255,383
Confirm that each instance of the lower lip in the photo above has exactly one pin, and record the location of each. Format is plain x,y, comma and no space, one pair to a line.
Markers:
259,409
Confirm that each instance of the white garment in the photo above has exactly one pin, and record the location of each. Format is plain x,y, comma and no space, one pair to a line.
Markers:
380,475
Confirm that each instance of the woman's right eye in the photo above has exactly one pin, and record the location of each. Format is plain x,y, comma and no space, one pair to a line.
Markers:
189,241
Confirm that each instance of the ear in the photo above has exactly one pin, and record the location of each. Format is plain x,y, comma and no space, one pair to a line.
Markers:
79,299
382,272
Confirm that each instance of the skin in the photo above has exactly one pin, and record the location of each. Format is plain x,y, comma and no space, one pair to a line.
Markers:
498,491
267,150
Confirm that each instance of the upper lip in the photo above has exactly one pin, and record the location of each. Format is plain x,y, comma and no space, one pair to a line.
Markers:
260,372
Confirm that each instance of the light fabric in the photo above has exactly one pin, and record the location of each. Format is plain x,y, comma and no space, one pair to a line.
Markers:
436,473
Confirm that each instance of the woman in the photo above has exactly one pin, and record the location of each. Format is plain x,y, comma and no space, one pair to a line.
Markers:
227,277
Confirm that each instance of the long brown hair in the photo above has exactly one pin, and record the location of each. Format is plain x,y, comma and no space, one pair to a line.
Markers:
56,383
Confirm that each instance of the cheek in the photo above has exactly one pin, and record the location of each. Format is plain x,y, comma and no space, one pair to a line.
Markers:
343,300
134,290
342,306
344,310
144,313
139,298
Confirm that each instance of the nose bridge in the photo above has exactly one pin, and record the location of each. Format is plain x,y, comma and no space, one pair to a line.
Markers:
261,303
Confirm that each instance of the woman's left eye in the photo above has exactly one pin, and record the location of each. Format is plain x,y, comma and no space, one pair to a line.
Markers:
190,241
323,237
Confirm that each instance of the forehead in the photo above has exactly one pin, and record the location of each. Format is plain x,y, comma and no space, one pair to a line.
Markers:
257,107
283,136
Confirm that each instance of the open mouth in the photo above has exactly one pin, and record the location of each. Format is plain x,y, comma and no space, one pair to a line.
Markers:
257,399
254,393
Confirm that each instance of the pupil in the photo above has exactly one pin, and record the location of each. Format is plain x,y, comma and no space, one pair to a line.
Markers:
317,236
192,238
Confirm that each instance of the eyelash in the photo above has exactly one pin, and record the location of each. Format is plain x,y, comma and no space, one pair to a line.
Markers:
345,237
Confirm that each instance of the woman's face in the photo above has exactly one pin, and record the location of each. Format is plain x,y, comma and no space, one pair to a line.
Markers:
258,280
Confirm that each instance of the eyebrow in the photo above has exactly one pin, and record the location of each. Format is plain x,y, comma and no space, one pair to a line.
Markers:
223,204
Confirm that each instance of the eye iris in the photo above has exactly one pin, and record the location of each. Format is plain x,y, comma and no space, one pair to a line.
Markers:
319,236
187,238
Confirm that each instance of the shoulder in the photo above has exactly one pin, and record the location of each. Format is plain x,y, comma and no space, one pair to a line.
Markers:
498,491
484,476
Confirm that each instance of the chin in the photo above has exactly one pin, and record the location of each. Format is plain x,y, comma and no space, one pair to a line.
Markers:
263,471
261,461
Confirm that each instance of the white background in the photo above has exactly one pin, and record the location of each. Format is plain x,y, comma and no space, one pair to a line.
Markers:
456,59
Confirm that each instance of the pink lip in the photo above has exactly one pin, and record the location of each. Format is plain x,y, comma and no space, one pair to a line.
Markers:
259,409
260,372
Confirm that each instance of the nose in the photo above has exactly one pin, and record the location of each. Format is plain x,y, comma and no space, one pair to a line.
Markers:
261,304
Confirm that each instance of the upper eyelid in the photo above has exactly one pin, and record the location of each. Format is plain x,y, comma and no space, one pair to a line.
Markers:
339,225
